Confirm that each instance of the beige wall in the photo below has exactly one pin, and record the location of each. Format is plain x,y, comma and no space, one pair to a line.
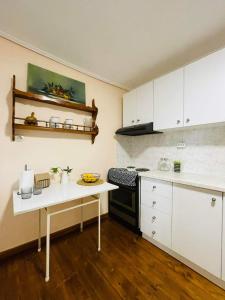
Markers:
43,151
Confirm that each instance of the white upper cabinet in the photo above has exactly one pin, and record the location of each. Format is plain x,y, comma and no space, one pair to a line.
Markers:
145,103
130,108
197,226
204,90
168,101
138,105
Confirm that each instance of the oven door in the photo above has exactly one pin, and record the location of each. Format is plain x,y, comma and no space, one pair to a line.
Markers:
124,198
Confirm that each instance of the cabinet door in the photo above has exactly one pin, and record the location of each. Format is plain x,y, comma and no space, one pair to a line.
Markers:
145,103
168,101
130,108
156,225
204,90
197,226
223,243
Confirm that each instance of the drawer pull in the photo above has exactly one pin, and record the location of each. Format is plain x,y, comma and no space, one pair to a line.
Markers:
213,201
153,218
153,232
153,203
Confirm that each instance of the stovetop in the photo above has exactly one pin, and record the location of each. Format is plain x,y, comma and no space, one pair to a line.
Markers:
132,168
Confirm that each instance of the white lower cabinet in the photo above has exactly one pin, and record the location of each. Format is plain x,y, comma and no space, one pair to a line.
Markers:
223,243
188,220
156,209
156,225
197,226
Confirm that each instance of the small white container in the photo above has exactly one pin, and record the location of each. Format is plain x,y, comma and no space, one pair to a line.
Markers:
64,177
54,122
88,123
164,164
68,123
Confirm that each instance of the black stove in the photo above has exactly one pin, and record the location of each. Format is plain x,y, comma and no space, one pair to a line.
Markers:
141,170
124,202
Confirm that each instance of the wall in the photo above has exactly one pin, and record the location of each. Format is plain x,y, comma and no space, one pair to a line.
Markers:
44,150
204,152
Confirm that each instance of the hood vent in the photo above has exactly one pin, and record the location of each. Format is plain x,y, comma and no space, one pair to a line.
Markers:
137,130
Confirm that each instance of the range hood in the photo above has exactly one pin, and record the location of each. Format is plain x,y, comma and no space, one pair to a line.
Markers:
141,129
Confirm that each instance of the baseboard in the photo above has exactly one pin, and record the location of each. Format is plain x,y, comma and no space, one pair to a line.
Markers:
55,235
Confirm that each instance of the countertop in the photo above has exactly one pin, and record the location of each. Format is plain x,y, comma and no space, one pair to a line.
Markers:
58,194
203,181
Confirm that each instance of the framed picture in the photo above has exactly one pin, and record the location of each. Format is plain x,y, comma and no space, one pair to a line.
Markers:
51,84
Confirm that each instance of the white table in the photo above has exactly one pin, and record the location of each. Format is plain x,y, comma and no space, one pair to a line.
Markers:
59,194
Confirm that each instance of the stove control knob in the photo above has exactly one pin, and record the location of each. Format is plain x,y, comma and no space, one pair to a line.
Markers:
154,187
153,203
153,232
153,218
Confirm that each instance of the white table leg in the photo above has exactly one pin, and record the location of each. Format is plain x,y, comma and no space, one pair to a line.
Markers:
99,224
81,214
39,231
47,247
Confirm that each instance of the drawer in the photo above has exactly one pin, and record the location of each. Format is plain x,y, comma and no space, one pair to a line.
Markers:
157,202
156,225
156,187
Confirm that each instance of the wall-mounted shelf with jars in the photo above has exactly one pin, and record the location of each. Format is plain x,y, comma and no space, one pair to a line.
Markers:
19,123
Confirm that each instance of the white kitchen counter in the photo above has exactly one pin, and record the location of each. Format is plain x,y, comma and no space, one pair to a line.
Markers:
203,181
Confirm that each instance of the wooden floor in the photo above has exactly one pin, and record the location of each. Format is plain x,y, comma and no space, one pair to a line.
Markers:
126,268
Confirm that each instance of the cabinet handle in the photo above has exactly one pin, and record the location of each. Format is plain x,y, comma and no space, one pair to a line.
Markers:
153,218
154,187
153,232
153,203
187,120
178,122
213,201
138,120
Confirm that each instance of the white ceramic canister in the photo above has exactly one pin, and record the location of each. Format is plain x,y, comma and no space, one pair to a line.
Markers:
54,122
88,123
64,177
68,123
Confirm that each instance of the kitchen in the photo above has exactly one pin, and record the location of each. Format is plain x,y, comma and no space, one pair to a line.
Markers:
134,169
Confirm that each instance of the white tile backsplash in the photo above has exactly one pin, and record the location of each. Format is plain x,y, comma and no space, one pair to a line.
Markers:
204,152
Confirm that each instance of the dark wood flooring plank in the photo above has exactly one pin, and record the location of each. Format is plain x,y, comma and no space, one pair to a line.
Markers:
126,268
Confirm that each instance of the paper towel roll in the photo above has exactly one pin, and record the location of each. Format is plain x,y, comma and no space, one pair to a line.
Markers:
27,179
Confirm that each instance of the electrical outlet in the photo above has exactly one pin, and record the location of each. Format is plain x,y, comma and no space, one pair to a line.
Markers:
181,145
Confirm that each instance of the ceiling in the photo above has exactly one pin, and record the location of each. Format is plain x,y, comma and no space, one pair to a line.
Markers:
124,42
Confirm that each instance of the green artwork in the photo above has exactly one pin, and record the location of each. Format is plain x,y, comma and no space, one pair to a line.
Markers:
54,85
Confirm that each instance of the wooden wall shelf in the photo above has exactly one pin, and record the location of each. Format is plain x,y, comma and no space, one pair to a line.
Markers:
77,129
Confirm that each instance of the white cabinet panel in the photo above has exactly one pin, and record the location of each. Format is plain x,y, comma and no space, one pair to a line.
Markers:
168,101
138,105
145,103
197,225
204,90
129,108
223,242
156,225
157,195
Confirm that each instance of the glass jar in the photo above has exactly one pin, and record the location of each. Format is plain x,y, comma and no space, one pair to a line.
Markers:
164,164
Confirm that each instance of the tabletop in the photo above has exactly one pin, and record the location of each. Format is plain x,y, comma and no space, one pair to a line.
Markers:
57,194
